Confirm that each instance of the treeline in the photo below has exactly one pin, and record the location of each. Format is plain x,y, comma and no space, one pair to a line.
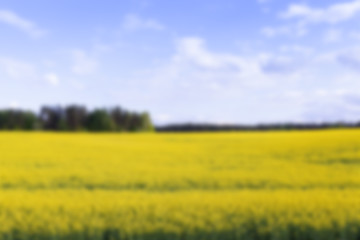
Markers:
260,127
75,118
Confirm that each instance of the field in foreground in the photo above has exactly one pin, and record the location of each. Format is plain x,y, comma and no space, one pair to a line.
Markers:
273,185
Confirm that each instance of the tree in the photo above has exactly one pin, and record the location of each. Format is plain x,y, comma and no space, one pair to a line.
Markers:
100,121
18,120
120,119
146,123
75,117
30,121
2,120
52,118
135,122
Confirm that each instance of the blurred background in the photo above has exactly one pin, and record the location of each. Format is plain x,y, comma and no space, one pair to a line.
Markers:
230,61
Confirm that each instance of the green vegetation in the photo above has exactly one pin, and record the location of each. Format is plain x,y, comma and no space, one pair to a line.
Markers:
76,118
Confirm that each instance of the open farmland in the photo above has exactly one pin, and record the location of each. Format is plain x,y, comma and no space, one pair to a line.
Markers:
255,185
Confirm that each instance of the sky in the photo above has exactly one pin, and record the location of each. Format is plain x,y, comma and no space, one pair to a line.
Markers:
228,61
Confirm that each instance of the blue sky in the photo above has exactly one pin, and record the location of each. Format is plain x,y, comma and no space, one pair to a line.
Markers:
229,61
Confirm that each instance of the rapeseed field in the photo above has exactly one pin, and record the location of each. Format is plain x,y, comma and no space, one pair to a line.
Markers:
200,186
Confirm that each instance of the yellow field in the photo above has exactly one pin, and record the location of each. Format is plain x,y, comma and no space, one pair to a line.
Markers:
272,185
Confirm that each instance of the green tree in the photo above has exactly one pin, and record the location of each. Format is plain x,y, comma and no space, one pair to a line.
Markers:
75,117
146,123
29,121
100,121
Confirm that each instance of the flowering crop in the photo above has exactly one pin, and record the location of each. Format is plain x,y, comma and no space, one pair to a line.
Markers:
272,185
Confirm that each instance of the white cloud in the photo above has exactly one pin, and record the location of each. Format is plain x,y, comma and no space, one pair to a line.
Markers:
210,68
324,104
14,105
83,64
332,14
288,30
78,85
195,75
275,31
52,79
195,66
17,69
134,22
193,49
350,58
25,25
333,35
294,94
163,118
336,105
279,64
303,50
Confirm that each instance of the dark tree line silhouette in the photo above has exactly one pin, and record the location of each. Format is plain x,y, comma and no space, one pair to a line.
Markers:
75,118
199,127
78,118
